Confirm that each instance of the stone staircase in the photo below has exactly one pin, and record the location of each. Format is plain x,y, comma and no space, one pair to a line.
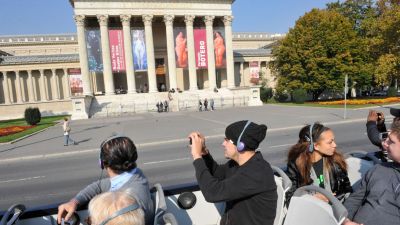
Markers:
127,104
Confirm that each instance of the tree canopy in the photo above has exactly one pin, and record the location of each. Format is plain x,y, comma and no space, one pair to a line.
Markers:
318,52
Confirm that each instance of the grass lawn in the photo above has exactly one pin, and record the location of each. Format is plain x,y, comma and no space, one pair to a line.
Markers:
44,123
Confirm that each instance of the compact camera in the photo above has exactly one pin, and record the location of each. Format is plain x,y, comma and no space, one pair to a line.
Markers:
383,135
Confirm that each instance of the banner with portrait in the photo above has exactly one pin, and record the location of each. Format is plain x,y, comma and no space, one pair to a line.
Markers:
254,69
139,49
200,47
117,52
181,52
219,47
93,46
75,81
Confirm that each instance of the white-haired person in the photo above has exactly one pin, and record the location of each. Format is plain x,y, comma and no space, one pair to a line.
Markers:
114,208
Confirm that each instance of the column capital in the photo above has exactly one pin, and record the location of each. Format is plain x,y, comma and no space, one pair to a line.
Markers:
53,70
169,20
209,20
29,72
147,19
79,20
4,72
41,71
189,19
103,20
228,20
126,20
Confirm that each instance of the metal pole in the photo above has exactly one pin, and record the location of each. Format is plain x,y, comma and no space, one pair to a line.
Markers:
345,96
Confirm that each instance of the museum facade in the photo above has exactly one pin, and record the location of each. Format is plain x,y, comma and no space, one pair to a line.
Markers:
133,51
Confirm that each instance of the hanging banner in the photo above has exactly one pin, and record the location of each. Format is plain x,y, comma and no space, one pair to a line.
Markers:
181,53
93,46
75,81
117,52
219,47
254,70
139,49
200,47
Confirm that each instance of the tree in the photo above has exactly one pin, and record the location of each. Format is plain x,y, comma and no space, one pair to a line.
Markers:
317,53
385,42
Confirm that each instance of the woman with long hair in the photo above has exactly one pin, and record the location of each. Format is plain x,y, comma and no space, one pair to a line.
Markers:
314,160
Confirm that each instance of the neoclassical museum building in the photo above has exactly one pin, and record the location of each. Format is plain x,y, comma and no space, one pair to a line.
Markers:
128,55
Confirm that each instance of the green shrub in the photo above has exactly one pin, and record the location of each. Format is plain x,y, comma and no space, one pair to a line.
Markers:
265,94
392,92
32,116
281,96
299,96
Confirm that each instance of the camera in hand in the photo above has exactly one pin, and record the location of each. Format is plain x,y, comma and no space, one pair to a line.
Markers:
383,135
190,141
379,115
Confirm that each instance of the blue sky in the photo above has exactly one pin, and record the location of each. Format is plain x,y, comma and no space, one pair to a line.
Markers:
56,16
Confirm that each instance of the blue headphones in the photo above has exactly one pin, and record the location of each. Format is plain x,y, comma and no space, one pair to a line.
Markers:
240,145
310,139
101,163
120,212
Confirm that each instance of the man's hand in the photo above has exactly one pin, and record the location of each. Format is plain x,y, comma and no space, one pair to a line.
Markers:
372,116
198,146
66,210
349,222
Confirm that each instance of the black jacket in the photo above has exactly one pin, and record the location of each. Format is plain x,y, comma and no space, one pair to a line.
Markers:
339,181
249,190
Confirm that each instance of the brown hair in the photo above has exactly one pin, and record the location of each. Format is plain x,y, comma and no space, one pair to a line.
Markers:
395,128
300,154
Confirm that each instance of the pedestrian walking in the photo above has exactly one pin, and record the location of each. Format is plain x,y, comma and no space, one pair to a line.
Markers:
158,106
166,106
205,105
200,106
67,130
212,104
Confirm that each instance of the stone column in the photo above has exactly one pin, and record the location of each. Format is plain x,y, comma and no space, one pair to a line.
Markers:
32,95
66,84
6,88
56,89
169,23
83,58
105,50
191,55
230,70
241,74
151,64
130,72
43,91
18,86
209,20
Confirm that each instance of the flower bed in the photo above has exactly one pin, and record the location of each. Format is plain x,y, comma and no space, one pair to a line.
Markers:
363,101
13,129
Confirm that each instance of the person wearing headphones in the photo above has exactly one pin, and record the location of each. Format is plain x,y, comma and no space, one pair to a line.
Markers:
246,182
314,160
118,157
115,208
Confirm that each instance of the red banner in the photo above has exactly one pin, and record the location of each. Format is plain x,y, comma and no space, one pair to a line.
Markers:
117,50
200,47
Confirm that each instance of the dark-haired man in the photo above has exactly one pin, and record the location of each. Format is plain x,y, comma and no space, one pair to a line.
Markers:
118,157
246,182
